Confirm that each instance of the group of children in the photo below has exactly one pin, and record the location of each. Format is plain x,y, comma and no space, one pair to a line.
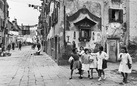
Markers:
87,61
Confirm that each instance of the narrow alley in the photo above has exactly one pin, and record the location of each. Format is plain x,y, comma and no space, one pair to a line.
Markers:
23,68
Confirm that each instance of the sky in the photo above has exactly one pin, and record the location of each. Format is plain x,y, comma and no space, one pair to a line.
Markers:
24,14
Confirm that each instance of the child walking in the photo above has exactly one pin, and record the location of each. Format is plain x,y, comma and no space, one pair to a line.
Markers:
92,63
85,61
102,57
125,66
75,63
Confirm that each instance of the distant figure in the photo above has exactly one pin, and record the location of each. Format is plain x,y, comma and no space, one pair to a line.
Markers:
20,45
2,47
9,47
33,46
73,44
13,45
38,46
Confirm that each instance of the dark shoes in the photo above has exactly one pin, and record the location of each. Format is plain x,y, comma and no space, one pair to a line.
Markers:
121,83
125,80
70,78
80,77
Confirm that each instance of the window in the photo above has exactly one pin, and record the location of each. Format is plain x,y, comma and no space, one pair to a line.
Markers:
116,15
84,34
116,1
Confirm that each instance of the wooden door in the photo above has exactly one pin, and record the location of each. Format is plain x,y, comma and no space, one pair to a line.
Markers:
113,49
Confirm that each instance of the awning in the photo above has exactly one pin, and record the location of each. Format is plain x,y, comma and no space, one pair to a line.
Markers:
51,33
86,23
13,33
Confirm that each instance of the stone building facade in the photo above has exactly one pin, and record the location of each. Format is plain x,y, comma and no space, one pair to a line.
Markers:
4,15
89,23
133,20
1,19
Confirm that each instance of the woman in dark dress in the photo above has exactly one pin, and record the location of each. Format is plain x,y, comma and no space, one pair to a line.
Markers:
20,45
38,46
13,46
9,47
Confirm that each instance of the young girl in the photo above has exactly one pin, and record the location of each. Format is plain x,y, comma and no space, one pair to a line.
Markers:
85,61
75,63
125,64
81,51
92,63
101,57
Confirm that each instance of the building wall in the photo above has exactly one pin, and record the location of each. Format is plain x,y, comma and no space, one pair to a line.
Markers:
133,19
1,9
99,8
1,19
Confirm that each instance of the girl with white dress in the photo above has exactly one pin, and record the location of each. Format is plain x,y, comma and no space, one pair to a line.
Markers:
85,61
81,52
92,63
101,57
125,64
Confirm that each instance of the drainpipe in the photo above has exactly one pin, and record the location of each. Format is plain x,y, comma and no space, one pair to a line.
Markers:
64,31
4,24
128,21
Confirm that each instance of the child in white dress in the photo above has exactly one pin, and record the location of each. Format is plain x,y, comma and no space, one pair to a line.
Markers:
85,61
92,63
101,56
125,64
81,52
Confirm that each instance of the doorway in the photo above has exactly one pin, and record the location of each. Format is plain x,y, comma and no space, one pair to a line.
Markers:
113,49
56,45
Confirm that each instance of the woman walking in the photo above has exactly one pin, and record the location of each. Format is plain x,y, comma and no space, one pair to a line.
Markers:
38,46
125,64
102,57
13,45
9,47
20,45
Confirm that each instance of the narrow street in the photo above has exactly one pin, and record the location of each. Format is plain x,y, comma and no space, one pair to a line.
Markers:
25,69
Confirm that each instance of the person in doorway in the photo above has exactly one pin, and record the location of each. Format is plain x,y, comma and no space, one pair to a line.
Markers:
125,64
20,45
102,57
76,64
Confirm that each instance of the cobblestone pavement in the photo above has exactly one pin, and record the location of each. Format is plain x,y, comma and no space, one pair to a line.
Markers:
24,69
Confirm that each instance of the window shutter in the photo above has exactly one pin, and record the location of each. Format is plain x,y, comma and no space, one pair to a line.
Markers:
74,35
80,34
89,33
110,15
49,23
121,16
